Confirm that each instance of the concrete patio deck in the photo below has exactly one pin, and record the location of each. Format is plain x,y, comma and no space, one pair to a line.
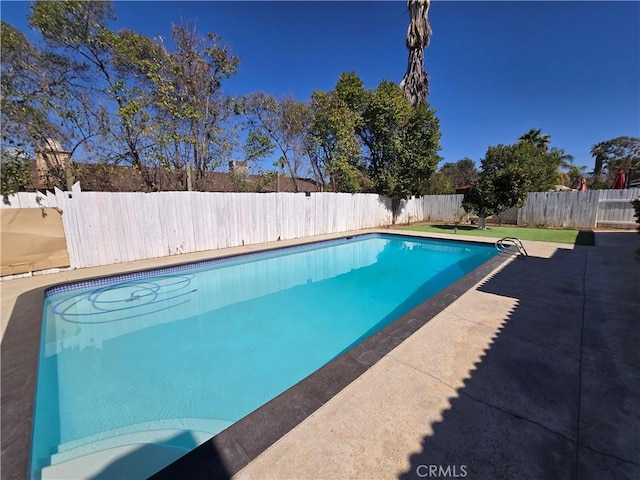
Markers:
533,373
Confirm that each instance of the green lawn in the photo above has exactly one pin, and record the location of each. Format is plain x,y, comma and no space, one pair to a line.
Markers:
493,231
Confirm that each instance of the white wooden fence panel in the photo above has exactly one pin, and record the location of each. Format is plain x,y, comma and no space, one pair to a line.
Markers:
89,216
615,208
509,217
583,210
51,199
443,208
26,200
411,210
560,209
128,207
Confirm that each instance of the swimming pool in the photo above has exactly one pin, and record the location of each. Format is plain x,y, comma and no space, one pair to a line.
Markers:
150,365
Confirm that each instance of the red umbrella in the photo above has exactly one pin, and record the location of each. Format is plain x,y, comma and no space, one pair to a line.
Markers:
583,185
620,181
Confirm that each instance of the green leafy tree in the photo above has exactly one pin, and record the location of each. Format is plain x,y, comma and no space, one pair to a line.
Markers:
373,140
15,175
401,143
539,164
26,87
461,173
79,30
508,173
334,148
440,184
38,113
542,142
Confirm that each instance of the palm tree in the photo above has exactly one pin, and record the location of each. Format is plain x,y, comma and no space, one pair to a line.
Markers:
416,81
565,162
539,139
599,152
576,174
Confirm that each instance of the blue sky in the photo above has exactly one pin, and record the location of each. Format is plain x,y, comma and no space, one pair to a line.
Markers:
497,69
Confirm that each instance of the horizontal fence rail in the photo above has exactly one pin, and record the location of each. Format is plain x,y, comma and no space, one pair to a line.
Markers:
104,228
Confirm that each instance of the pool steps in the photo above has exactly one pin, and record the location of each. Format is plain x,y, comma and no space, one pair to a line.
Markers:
138,460
145,445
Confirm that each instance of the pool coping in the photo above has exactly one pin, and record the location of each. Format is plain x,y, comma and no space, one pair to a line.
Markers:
228,452
234,448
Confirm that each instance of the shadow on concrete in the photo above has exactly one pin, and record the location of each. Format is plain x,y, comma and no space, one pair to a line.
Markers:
549,399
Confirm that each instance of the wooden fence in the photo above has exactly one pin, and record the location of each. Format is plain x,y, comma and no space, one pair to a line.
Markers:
25,200
587,210
615,209
561,209
105,228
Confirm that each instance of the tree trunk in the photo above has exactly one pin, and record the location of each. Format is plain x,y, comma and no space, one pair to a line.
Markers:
395,206
482,223
416,81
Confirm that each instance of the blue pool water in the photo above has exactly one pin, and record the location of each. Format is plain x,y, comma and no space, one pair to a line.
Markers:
168,359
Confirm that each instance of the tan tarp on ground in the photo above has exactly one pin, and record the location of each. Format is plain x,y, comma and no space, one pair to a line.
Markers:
31,239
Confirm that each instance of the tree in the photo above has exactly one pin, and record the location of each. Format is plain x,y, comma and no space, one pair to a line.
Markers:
15,175
508,173
542,141
401,143
134,101
566,170
440,184
279,126
373,140
79,30
416,81
36,107
615,154
461,173
575,174
192,114
537,138
334,147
